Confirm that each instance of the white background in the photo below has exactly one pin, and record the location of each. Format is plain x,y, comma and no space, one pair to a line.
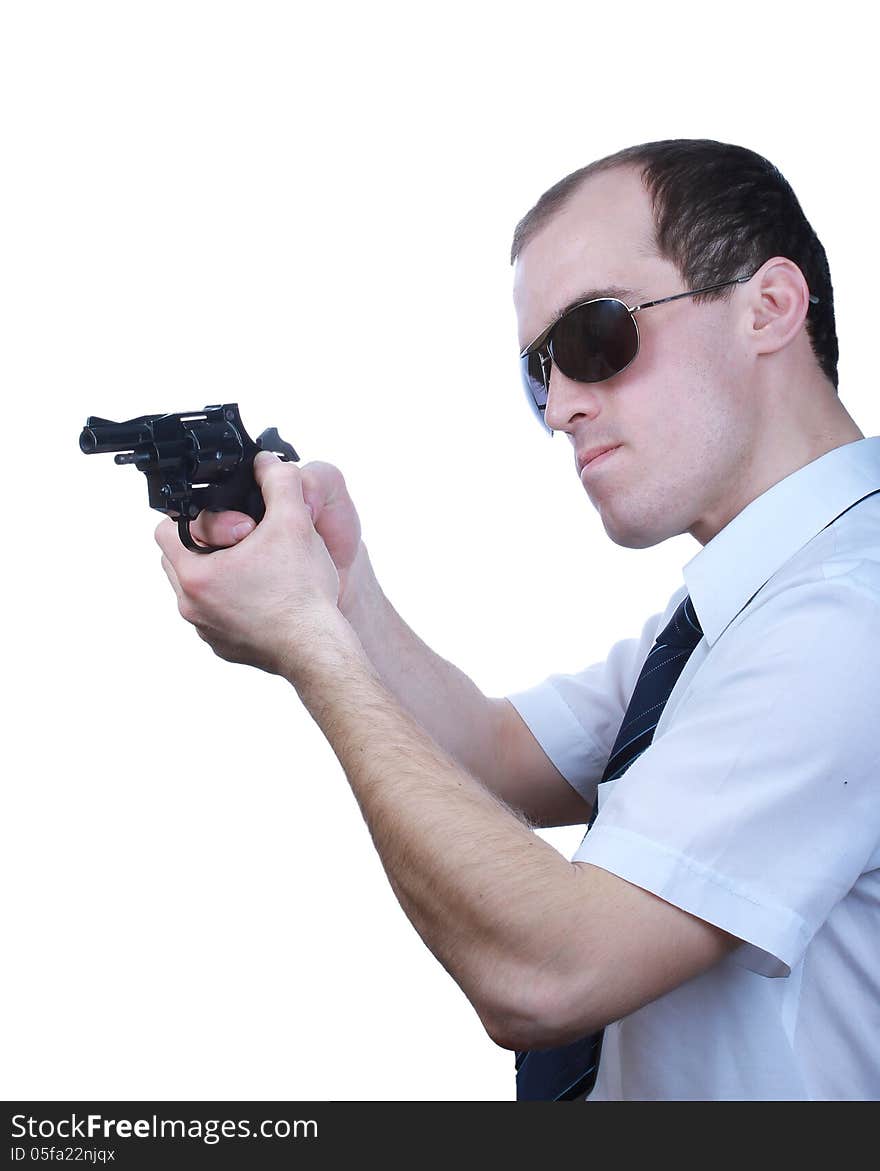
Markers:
308,211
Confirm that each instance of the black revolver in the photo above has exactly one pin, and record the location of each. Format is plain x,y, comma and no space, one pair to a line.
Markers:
192,461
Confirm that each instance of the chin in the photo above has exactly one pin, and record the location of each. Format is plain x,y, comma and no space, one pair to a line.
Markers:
637,536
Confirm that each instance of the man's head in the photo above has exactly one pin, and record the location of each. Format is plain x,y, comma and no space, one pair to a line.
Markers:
731,390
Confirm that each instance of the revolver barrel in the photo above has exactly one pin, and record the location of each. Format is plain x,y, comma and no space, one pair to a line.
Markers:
100,435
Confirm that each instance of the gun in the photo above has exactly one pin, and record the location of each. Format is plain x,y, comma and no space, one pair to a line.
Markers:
192,461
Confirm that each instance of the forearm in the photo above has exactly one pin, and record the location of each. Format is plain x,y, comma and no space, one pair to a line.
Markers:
441,698
491,899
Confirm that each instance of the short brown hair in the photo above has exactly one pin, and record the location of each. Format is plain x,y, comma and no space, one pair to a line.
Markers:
719,211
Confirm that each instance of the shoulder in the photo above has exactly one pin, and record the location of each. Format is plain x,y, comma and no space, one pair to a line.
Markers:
818,612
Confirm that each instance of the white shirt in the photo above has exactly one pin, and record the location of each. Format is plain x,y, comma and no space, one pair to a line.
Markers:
757,805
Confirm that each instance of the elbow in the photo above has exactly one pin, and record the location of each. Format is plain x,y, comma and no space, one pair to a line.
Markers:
542,1015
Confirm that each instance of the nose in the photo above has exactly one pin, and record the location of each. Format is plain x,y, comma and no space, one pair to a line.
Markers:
568,400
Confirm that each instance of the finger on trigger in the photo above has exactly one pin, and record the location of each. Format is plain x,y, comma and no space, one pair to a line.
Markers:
216,528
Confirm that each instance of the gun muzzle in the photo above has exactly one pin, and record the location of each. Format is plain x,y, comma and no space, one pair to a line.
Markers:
100,435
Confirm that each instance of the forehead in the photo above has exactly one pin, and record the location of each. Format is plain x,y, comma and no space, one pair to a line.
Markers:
601,238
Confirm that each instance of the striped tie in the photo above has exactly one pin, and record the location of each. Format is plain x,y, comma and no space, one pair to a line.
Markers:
569,1071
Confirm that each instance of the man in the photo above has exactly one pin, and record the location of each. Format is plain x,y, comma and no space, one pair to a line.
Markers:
719,922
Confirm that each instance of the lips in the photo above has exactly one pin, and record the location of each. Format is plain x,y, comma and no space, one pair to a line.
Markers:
594,452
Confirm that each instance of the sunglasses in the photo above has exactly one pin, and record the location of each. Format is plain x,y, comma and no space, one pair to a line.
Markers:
590,342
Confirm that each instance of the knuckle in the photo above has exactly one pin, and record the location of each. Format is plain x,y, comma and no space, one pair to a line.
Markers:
327,471
192,580
325,478
194,585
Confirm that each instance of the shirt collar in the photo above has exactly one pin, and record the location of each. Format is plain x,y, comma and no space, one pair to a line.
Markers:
729,570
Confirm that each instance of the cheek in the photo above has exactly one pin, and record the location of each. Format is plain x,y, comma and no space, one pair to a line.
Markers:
674,443
681,403
688,422
688,446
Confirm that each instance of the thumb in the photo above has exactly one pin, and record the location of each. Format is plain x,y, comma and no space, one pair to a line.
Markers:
279,481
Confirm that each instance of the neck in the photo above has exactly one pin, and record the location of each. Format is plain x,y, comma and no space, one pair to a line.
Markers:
794,429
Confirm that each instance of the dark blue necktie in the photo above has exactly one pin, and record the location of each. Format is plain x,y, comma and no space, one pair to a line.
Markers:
569,1071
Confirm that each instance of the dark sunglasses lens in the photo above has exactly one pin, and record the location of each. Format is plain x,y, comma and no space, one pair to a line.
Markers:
594,341
533,381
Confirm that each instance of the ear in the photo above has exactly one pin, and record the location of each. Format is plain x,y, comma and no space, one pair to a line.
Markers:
778,300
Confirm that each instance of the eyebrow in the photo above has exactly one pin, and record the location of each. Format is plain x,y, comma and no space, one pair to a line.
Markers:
587,295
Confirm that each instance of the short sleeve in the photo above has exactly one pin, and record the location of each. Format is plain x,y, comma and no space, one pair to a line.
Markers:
575,718
757,807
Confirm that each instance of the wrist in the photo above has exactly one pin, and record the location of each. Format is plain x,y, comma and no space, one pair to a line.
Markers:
362,590
326,650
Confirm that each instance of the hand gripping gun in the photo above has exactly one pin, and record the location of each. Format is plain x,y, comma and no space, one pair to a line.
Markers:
191,461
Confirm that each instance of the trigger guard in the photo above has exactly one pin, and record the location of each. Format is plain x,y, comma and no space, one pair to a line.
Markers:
189,541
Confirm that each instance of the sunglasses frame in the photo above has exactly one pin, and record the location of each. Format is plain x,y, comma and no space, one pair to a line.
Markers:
542,345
